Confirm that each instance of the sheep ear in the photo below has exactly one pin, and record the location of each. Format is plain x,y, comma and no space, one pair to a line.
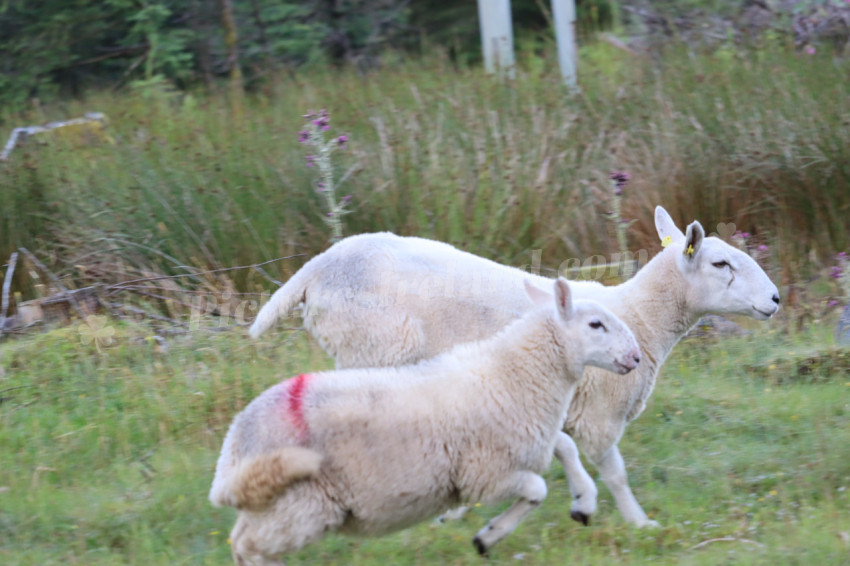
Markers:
693,239
538,296
563,299
666,228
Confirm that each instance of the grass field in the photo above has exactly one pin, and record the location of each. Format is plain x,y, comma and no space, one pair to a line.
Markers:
743,453
107,453
760,139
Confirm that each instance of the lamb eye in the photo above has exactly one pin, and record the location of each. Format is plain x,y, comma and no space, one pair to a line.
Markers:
596,325
720,264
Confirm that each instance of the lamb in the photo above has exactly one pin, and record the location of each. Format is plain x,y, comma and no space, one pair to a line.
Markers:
370,451
383,300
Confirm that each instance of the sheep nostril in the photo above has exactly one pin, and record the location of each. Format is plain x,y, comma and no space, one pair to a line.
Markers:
636,359
776,299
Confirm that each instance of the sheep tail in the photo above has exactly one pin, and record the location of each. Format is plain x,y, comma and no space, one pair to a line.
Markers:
255,483
281,304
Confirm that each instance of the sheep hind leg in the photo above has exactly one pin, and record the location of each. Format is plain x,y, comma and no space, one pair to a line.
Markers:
613,471
531,490
243,547
455,514
262,538
582,486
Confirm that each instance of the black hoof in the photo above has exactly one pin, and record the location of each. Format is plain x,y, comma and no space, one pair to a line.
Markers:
580,517
479,546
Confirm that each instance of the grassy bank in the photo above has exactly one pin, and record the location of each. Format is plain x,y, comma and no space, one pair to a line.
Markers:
107,453
759,139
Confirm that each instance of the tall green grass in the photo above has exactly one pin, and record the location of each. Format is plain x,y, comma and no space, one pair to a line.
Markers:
761,139
106,457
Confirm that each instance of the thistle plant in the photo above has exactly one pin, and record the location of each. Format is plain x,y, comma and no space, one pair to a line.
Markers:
746,242
841,272
741,240
620,179
313,135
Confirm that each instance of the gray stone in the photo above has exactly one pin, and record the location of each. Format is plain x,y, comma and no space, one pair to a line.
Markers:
842,329
716,325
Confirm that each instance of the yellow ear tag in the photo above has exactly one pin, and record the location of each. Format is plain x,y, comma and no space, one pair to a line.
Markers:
690,251
666,241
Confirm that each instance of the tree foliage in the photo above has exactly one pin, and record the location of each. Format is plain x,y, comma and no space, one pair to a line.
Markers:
51,47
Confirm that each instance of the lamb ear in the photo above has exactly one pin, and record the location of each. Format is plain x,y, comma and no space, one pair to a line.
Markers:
666,228
538,296
693,239
564,298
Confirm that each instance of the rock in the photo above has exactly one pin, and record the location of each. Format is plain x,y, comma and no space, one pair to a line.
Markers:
715,325
842,329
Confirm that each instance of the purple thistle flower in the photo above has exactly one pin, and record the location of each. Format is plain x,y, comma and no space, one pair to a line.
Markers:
320,186
762,248
322,122
841,256
310,160
345,199
330,213
836,272
342,140
832,303
620,178
303,136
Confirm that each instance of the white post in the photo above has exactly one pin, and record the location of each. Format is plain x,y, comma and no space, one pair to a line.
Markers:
564,14
497,36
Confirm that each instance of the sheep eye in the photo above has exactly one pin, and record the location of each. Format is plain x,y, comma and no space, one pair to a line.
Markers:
720,264
596,325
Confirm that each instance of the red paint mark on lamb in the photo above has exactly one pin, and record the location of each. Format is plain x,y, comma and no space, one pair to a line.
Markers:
295,403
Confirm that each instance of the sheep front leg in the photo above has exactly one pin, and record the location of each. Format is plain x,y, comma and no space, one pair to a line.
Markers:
582,486
531,490
613,471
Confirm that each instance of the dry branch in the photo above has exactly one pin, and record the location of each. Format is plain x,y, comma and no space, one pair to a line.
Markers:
146,314
65,292
725,539
87,300
618,43
268,277
7,283
23,133
120,286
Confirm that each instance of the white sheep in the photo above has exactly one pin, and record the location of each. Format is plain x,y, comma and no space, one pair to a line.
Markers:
383,300
370,451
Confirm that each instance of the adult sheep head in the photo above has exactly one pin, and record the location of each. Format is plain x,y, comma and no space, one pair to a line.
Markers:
719,278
